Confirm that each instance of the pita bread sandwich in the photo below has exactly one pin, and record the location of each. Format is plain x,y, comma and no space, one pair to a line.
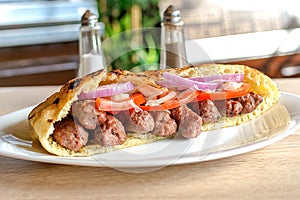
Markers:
107,111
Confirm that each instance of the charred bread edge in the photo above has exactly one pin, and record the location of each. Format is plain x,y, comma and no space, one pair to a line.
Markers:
57,106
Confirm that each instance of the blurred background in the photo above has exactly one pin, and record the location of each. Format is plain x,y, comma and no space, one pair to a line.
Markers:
39,38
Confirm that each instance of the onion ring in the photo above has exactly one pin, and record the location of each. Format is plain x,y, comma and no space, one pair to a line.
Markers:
107,90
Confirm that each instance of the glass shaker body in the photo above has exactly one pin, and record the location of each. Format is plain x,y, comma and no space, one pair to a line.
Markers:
90,49
173,54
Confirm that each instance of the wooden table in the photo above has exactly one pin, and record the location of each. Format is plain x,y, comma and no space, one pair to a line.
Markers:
269,173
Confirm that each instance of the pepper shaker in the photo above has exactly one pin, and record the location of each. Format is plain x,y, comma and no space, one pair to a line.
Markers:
90,49
173,53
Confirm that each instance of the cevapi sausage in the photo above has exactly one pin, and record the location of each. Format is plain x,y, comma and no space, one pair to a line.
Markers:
164,124
250,102
110,133
140,122
207,111
233,108
70,134
189,123
87,115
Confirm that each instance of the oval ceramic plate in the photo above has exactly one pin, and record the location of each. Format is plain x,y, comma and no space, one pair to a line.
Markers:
277,123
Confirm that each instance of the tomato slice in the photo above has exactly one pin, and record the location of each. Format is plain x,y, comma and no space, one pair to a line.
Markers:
108,105
138,98
243,90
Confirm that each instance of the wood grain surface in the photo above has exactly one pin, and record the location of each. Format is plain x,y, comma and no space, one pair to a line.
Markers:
269,173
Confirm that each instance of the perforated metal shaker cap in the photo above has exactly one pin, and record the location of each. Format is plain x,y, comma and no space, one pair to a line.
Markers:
89,19
172,16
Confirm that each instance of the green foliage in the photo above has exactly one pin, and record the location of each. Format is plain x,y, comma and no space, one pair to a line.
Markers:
116,15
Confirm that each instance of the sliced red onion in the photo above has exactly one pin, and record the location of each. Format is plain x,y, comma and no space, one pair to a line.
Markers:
221,77
107,90
184,82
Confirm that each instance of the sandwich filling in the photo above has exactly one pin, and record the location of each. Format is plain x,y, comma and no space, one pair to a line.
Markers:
174,105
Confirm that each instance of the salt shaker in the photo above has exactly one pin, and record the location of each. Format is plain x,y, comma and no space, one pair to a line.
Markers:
90,49
173,53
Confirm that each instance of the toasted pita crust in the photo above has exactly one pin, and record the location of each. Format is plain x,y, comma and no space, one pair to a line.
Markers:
57,106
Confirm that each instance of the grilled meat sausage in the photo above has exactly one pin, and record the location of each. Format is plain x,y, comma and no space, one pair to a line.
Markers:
87,115
110,133
189,123
250,102
164,124
70,134
140,122
233,108
207,110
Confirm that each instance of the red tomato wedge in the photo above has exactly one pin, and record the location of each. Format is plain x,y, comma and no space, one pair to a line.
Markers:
105,104
242,91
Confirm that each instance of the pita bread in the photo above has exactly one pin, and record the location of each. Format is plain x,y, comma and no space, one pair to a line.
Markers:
42,118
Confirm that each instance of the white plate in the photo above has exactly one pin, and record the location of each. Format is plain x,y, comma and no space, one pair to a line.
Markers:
270,127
